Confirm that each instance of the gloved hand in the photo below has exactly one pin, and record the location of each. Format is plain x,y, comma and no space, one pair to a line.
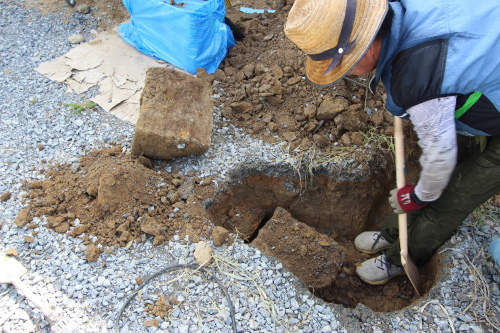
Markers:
404,200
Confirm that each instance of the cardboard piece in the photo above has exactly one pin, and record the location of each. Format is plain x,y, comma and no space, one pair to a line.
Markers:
116,67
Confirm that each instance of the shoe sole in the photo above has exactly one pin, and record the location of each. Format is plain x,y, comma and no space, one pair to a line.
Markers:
372,252
378,283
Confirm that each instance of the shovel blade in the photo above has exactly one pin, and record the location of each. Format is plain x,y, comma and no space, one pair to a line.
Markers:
412,273
408,264
10,269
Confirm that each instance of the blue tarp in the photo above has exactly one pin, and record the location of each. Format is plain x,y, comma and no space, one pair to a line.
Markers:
188,34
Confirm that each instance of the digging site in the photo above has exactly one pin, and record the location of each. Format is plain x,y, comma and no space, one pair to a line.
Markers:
252,158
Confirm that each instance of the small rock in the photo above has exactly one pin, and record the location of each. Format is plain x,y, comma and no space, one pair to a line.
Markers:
139,280
289,136
220,75
237,61
76,39
274,100
310,111
123,227
242,106
159,239
93,190
63,228
77,231
219,235
36,185
293,80
175,197
145,161
12,252
29,239
329,109
324,240
92,253
346,139
192,236
152,323
203,254
268,37
23,218
5,196
357,138
83,9
177,182
151,226
321,140
249,70
202,74
54,221
206,181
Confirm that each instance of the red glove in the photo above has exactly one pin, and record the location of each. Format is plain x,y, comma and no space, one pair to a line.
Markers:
405,200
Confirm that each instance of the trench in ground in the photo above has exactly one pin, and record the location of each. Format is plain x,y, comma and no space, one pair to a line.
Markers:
310,226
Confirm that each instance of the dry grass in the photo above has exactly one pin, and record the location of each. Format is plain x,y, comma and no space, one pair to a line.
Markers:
236,272
381,141
480,306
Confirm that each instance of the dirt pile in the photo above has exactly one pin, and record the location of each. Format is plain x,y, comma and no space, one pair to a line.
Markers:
263,90
110,199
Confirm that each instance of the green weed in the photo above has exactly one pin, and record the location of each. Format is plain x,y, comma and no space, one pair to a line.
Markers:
77,109
487,212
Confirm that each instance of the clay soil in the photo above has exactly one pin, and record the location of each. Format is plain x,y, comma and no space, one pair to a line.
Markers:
113,200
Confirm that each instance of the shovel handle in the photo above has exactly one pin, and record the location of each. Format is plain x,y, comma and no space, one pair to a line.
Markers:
408,264
400,152
400,181
51,316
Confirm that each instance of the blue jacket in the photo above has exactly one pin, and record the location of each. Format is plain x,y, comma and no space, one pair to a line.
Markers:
440,48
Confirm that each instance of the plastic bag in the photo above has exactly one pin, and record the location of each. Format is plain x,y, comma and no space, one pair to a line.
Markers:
188,34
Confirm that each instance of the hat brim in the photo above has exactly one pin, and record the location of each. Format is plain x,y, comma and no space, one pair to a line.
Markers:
370,22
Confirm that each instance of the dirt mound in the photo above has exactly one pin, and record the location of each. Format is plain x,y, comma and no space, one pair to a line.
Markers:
111,199
263,90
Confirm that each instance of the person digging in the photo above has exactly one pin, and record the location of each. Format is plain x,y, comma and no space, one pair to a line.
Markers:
439,63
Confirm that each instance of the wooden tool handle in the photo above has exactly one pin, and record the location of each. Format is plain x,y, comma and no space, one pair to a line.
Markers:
408,264
400,152
400,182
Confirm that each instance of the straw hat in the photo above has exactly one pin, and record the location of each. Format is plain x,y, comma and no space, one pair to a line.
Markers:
335,34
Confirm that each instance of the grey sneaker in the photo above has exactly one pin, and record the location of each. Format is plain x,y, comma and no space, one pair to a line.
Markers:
371,242
378,270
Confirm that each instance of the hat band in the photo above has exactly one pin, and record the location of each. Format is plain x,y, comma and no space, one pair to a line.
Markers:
343,46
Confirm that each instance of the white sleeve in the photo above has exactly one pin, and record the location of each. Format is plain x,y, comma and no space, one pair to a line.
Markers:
434,122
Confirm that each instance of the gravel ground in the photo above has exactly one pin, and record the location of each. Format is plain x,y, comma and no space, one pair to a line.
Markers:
264,295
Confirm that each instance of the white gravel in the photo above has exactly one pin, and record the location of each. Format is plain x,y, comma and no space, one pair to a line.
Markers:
266,297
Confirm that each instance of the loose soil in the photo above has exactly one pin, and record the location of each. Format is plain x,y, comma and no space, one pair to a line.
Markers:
111,199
